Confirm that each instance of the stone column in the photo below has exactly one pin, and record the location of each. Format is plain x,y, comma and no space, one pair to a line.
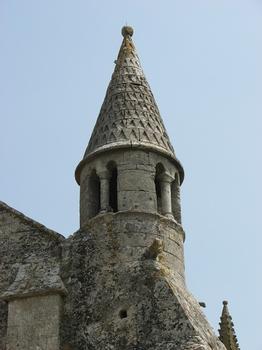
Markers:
104,177
165,186
175,197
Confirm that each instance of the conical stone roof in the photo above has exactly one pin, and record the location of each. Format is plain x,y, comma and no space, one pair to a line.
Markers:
227,332
129,116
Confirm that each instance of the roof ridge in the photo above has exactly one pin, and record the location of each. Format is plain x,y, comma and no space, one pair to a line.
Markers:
28,220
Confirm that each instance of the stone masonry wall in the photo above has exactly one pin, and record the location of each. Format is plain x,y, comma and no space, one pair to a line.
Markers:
3,324
136,180
124,274
33,323
105,270
29,261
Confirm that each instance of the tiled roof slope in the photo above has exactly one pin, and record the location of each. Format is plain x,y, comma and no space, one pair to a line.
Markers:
129,115
226,332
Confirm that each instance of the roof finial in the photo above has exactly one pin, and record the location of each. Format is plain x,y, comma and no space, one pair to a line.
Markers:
226,331
127,31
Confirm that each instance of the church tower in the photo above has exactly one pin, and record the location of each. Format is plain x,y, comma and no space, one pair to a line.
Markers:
118,283
124,269
129,163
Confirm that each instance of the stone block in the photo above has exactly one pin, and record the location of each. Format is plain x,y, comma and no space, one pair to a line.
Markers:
135,180
33,323
137,200
136,157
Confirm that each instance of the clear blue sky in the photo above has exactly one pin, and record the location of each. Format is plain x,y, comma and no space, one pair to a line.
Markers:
203,62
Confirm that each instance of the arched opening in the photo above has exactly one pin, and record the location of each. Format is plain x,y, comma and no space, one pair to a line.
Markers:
159,171
113,186
175,198
94,194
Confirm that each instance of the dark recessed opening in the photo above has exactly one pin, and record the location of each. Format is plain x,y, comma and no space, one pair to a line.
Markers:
111,166
159,171
94,194
113,190
123,314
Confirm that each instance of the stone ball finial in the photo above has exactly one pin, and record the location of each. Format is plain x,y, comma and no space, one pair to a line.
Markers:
127,31
225,302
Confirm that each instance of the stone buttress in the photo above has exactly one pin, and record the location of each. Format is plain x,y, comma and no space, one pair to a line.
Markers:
124,269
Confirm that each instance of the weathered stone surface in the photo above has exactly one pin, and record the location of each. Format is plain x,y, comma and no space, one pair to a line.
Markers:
137,200
136,182
129,112
35,277
120,297
227,333
129,116
29,261
33,323
118,283
3,324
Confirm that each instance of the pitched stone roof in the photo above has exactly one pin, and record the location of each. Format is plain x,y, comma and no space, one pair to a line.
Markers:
29,256
129,116
226,332
30,222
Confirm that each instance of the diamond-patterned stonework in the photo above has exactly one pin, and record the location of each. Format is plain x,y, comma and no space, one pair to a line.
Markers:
129,114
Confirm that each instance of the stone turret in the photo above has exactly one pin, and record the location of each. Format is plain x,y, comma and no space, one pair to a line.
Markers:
129,162
125,266
118,283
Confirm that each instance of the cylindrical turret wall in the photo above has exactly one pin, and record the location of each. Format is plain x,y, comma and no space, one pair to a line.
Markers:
134,180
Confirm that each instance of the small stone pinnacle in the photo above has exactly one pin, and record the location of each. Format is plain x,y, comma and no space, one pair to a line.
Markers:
127,31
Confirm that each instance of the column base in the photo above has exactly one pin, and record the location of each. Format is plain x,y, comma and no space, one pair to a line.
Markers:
169,216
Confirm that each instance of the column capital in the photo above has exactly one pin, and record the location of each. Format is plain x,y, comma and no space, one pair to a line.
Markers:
165,177
103,174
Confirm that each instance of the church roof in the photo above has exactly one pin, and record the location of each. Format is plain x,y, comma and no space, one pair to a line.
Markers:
129,116
4,208
226,332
